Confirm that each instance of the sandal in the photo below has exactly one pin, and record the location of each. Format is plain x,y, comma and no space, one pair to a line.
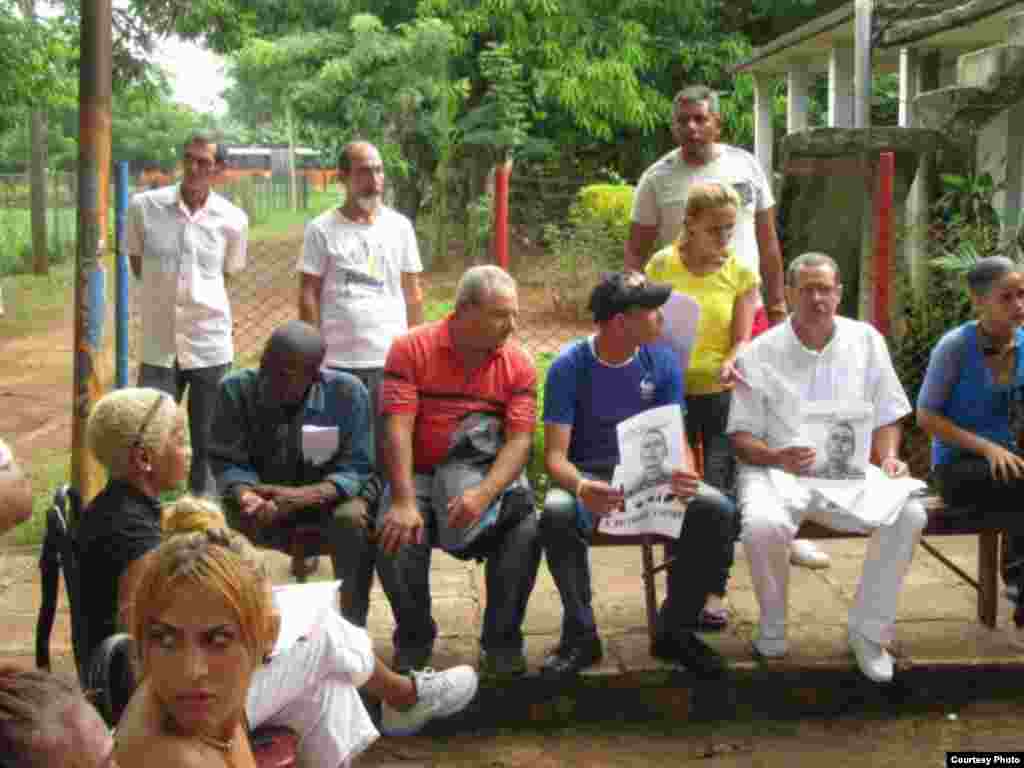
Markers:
713,620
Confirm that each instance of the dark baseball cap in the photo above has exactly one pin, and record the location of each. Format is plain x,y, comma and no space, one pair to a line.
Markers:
621,291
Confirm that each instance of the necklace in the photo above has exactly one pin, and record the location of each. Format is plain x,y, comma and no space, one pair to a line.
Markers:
221,745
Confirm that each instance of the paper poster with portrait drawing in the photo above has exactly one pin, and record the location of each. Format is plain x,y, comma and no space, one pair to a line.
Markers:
840,433
650,446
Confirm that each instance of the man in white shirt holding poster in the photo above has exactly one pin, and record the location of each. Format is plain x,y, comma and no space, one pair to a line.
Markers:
816,356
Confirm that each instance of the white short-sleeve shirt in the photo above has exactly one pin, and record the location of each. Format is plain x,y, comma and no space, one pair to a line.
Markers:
362,306
854,365
660,199
182,297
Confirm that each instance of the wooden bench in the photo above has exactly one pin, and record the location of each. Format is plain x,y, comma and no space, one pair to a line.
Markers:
942,521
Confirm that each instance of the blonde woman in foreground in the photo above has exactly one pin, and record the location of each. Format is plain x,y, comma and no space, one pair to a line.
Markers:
205,618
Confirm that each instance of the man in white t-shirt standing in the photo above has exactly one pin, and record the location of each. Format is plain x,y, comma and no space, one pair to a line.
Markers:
660,201
183,241
359,283
660,204
359,274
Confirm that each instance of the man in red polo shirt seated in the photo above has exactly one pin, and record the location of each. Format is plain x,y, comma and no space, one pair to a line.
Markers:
434,376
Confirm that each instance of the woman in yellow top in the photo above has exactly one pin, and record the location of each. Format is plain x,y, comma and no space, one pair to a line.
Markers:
701,265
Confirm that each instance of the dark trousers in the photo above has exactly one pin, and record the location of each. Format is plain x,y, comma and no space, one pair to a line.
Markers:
352,551
704,546
202,386
510,572
706,420
968,482
371,378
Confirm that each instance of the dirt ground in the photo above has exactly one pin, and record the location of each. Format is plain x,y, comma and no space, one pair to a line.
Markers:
849,742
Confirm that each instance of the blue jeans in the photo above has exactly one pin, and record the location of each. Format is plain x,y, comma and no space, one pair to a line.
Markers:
510,572
703,549
203,384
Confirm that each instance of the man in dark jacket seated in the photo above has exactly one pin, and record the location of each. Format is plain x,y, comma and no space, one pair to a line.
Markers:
290,445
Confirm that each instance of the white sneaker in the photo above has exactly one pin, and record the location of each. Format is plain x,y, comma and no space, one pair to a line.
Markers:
804,552
874,661
438,694
770,647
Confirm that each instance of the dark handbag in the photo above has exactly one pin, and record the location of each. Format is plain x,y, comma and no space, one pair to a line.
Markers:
477,541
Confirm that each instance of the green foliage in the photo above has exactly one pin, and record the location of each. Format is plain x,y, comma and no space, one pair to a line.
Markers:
535,469
967,199
580,252
37,60
16,235
607,205
479,229
965,228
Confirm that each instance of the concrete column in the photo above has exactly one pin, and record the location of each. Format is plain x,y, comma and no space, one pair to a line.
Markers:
764,131
862,64
919,73
840,86
1011,213
798,81
1015,30
909,85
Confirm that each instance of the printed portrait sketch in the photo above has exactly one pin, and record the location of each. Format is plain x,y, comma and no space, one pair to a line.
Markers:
650,446
841,436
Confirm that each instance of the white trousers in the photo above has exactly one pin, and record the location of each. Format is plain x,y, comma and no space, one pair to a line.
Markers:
770,523
312,688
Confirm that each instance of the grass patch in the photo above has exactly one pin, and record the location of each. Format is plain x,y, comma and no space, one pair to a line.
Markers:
437,309
34,302
279,222
46,471
16,235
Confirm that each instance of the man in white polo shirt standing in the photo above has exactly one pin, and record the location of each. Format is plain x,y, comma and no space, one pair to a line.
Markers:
183,241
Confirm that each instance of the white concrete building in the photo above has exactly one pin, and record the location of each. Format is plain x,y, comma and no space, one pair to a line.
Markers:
960,63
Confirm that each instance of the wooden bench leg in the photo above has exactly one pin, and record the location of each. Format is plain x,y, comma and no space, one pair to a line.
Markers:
650,588
988,577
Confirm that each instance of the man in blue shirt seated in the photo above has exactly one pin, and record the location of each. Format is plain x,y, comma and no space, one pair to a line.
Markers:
594,384
291,445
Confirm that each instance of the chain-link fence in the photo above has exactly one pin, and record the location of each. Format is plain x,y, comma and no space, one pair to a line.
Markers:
265,295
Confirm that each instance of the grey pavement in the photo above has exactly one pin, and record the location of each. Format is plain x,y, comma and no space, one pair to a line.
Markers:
937,623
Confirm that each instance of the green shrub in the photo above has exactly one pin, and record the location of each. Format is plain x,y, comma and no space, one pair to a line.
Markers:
608,205
592,243
959,236
535,469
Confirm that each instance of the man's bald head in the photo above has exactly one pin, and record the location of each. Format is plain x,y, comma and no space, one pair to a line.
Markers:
296,338
291,362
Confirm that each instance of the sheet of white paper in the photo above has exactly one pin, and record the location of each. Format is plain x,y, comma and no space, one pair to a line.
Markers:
319,443
873,502
681,314
653,512
303,607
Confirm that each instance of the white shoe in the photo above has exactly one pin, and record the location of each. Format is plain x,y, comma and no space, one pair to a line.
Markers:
438,694
804,552
874,661
769,647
